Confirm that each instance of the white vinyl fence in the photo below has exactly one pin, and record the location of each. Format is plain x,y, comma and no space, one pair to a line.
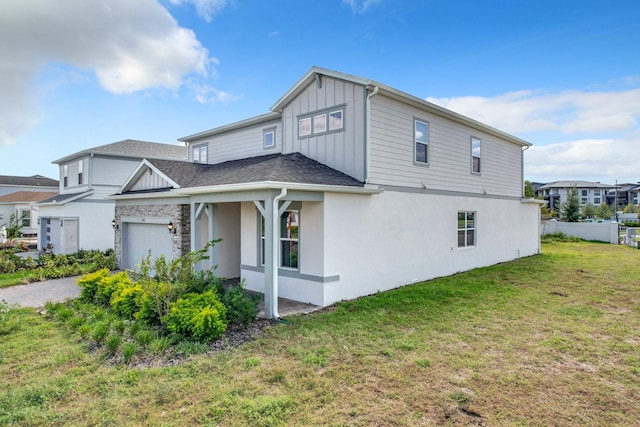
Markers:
603,232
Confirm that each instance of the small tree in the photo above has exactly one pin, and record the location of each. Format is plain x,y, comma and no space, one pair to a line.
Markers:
571,206
529,192
588,211
603,211
629,208
13,228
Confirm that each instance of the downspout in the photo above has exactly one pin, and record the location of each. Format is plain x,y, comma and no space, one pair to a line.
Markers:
367,136
525,148
274,251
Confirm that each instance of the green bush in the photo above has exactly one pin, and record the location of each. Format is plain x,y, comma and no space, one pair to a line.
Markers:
109,285
198,316
127,300
242,306
89,283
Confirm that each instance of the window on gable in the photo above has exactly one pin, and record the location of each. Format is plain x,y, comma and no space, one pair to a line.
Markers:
80,171
269,138
475,155
65,175
335,120
200,154
466,229
421,138
321,122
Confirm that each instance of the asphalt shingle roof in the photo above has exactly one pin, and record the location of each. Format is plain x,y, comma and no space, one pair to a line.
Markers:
25,196
294,168
135,148
34,181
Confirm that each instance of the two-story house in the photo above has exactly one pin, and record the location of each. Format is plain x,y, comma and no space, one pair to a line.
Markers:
555,193
18,193
80,216
345,188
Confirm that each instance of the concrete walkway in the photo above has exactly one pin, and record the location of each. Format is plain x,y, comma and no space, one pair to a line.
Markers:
38,293
59,290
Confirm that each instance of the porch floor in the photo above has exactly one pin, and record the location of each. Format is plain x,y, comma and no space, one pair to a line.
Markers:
287,307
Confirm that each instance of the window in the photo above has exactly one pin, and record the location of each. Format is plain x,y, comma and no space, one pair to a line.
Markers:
475,155
304,127
421,137
269,138
596,200
25,218
585,193
320,122
583,201
335,120
80,171
65,175
596,192
289,226
261,239
466,229
200,154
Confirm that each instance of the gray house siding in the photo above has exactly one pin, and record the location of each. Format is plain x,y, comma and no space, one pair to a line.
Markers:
343,151
149,181
449,153
240,144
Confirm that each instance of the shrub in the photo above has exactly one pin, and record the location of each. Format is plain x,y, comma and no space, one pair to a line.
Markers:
198,316
99,332
113,343
127,300
242,306
109,285
128,350
89,283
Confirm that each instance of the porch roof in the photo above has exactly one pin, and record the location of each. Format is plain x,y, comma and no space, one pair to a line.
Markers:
290,168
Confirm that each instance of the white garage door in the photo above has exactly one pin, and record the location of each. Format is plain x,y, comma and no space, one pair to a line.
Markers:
141,240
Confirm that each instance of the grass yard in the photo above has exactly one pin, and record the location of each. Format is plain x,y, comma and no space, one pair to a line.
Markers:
552,339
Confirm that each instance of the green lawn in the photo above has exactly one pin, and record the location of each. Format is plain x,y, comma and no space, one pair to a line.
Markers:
547,340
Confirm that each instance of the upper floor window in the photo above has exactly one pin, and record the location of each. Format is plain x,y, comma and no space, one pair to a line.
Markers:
321,122
65,175
80,171
466,229
596,192
583,201
596,200
584,193
421,138
269,138
200,154
475,155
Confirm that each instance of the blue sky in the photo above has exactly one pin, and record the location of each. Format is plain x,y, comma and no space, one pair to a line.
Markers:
564,75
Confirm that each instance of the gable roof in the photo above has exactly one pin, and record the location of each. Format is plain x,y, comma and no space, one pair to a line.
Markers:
286,168
317,72
65,198
133,148
571,184
25,196
33,181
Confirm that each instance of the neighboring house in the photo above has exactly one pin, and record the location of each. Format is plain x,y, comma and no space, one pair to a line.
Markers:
19,204
80,216
623,194
347,187
18,192
555,193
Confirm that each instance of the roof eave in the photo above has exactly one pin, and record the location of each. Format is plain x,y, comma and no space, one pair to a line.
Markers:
252,121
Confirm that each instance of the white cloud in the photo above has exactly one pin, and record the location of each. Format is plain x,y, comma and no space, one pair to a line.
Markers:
129,45
567,112
205,8
360,6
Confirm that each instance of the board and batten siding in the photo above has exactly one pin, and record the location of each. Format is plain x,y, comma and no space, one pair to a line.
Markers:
242,143
150,181
449,168
343,151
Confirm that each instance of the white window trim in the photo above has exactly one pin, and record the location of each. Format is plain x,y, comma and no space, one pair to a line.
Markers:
281,240
341,111
265,132
416,142
199,148
479,156
323,115
465,229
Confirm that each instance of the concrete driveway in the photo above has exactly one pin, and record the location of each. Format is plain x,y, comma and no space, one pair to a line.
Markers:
38,293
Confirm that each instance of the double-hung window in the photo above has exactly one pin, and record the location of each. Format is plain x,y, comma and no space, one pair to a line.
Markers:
269,138
65,175
466,229
475,155
80,171
289,239
200,154
421,139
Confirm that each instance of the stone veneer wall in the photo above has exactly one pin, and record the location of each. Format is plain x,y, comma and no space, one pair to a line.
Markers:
180,216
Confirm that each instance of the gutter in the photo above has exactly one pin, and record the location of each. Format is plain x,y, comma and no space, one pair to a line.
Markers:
367,137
